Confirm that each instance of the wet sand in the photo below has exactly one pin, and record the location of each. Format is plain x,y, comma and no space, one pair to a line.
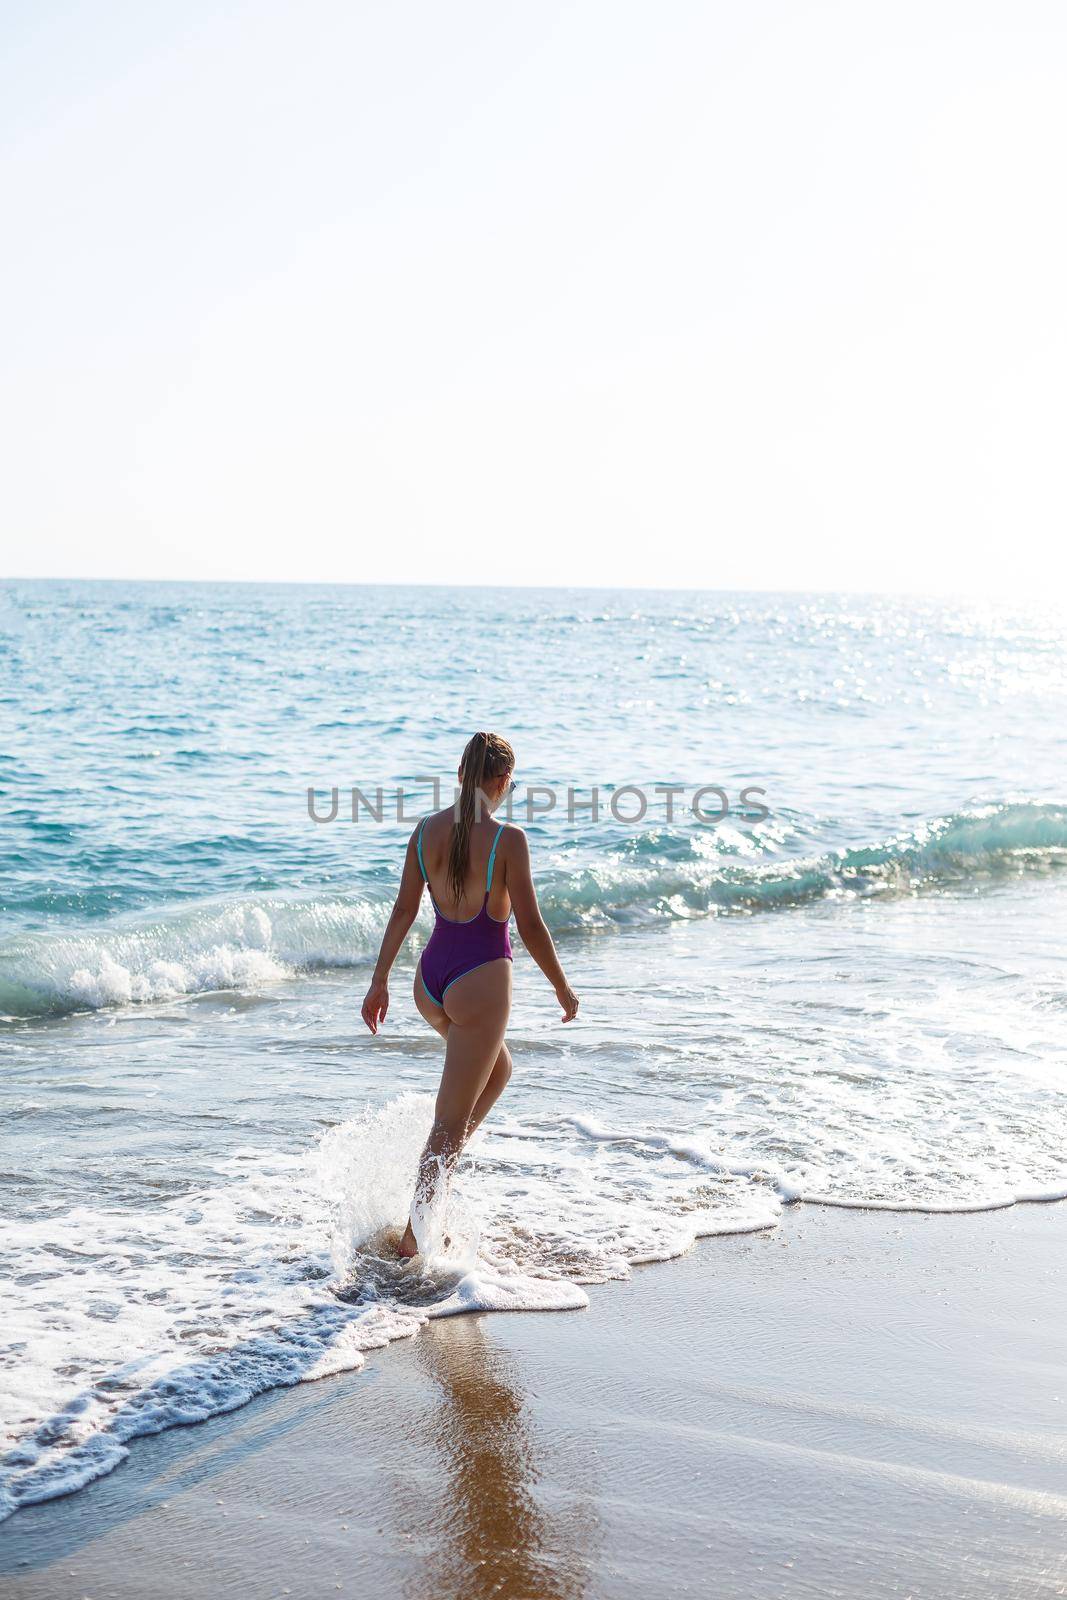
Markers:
856,1404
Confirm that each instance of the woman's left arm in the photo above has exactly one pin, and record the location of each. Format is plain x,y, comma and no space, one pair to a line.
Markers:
403,914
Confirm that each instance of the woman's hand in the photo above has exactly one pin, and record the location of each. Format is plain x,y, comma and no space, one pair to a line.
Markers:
568,1000
376,1004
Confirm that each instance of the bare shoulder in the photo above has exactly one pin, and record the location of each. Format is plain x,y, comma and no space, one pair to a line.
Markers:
513,842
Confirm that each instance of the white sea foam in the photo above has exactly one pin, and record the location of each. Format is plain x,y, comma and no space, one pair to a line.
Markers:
238,945
128,1322
132,1321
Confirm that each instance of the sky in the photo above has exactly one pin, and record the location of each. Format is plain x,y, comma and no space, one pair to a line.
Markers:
719,295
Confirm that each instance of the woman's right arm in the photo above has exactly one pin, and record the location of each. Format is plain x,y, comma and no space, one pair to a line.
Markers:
531,924
403,914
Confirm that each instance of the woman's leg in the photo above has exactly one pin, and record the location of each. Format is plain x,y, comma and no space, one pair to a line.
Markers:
498,1082
436,1016
477,1066
500,1076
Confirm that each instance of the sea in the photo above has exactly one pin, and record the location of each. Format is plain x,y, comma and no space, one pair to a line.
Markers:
803,856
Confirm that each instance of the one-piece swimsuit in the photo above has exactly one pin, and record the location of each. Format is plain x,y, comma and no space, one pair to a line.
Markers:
456,948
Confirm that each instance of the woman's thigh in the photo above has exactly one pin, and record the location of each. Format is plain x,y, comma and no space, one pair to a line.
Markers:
478,1006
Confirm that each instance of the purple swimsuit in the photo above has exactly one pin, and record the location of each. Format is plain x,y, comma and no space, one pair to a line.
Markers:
456,948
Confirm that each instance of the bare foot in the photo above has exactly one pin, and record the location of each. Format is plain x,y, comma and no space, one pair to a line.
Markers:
407,1246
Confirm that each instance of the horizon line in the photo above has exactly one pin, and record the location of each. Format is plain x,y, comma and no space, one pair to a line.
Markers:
1010,596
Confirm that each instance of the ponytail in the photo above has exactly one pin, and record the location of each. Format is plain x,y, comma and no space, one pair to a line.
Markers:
487,755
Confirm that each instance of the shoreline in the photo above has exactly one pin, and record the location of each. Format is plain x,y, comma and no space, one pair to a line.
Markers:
853,1403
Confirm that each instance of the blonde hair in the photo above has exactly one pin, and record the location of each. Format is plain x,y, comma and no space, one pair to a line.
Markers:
486,755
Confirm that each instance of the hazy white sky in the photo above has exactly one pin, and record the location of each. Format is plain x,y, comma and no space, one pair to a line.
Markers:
750,295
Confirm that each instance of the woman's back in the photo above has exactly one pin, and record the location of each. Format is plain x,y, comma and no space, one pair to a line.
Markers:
486,843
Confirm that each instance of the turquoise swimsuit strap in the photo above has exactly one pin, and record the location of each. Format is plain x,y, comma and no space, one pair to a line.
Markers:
492,858
418,847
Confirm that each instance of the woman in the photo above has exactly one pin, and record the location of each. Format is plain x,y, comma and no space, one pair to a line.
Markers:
477,872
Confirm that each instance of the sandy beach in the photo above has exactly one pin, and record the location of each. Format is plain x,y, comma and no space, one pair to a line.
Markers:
856,1404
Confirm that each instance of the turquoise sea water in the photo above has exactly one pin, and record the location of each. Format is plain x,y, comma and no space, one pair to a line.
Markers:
856,999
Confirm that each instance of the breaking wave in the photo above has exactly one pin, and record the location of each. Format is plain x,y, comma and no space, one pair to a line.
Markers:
656,876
